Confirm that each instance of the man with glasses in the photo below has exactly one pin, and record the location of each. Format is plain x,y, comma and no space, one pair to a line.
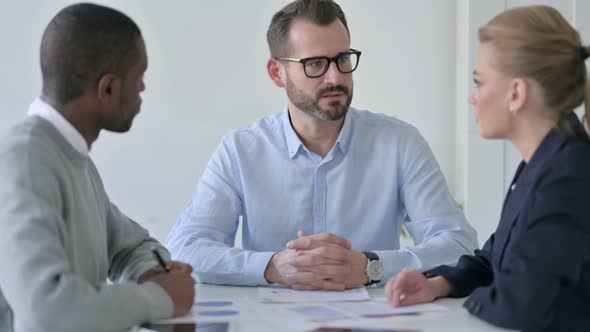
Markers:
322,188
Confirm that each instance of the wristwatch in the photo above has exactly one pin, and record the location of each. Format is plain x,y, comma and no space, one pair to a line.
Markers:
374,268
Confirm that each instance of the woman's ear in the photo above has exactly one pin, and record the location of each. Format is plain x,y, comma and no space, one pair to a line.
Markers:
518,94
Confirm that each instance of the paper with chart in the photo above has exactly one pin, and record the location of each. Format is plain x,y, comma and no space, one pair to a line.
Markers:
320,313
380,308
286,295
376,308
222,310
247,312
306,316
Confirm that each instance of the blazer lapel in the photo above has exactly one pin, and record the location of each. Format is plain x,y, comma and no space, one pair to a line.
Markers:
524,180
514,200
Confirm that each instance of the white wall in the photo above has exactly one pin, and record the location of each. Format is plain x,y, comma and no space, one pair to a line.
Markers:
207,75
481,176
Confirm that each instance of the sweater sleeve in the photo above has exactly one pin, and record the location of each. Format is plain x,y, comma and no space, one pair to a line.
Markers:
129,244
130,247
37,279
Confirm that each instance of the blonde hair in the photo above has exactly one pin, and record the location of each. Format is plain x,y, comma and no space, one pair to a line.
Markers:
537,42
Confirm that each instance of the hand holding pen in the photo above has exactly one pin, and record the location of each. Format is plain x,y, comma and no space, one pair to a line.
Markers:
175,279
160,260
163,267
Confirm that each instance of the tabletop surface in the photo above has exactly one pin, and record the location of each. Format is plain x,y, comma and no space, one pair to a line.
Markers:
255,316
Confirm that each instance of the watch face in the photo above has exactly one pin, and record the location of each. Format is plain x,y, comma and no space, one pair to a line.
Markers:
375,270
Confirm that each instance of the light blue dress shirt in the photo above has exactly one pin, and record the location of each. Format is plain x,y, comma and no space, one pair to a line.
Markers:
379,174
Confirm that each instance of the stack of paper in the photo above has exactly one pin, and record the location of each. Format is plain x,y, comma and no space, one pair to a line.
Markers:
286,295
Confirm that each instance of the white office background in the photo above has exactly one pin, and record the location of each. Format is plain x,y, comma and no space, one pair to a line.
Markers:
207,75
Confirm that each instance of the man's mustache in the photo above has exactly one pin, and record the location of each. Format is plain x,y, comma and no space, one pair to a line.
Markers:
335,88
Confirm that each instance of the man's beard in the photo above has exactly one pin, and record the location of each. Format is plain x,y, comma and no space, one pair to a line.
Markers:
312,107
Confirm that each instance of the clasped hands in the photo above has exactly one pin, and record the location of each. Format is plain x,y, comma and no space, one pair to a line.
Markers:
318,262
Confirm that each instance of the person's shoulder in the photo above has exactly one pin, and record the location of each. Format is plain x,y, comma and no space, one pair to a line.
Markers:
579,149
568,166
26,147
574,157
564,182
379,123
30,134
266,126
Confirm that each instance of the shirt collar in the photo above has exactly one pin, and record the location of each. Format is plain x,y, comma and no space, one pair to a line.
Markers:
294,142
42,109
343,141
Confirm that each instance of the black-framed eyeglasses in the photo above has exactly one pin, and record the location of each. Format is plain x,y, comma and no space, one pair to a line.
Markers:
317,66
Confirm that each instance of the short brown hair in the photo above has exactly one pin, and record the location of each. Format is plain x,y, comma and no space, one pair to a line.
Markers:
538,43
321,12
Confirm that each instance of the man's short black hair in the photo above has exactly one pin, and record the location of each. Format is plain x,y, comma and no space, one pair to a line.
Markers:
82,43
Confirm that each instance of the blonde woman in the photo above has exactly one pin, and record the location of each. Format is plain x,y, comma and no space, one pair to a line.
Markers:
533,273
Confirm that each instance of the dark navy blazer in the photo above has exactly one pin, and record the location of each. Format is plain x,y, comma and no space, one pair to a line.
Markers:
533,273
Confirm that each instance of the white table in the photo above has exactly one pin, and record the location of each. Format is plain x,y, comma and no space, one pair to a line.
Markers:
456,319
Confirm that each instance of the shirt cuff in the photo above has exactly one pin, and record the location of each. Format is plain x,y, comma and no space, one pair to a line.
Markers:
393,262
255,267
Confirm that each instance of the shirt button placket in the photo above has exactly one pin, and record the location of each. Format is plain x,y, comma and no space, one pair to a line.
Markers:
319,200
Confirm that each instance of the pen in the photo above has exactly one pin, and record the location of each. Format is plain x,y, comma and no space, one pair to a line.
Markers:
160,260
